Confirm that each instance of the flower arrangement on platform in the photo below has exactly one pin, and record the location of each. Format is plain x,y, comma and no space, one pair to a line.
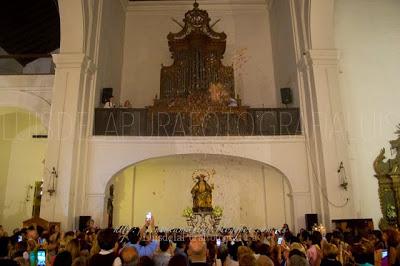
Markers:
217,212
187,213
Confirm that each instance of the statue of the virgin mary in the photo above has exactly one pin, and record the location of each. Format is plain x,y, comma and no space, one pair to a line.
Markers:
202,195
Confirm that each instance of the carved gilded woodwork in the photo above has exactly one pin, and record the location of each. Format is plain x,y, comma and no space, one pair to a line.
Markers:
388,175
197,51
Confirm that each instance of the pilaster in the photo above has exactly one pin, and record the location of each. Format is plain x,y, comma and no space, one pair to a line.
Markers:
325,133
67,137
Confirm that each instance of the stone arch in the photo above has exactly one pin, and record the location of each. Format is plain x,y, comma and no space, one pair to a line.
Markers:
72,26
202,154
28,101
321,24
288,212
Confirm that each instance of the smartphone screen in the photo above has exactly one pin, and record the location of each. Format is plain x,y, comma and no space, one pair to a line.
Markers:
19,238
41,257
280,240
32,258
218,242
148,216
385,258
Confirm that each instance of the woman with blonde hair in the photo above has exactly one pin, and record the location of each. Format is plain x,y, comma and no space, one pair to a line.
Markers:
95,246
330,253
74,248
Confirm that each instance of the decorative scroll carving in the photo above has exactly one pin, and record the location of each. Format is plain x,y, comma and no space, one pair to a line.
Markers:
197,51
388,175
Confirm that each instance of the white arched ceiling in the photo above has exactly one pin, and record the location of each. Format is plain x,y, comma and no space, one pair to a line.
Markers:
27,101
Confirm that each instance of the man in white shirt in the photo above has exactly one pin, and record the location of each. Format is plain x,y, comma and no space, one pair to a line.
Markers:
109,103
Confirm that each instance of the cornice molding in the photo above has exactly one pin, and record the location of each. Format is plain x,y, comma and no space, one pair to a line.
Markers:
74,60
124,4
209,5
196,140
322,57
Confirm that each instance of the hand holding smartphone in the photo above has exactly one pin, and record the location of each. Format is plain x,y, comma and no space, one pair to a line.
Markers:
384,257
41,257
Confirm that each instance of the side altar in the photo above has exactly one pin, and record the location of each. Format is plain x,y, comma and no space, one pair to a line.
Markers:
388,175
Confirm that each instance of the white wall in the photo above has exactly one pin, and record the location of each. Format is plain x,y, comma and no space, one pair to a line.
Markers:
249,192
285,66
367,33
110,48
249,39
21,164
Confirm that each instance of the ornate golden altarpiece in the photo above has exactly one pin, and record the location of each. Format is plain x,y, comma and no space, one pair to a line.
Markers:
197,51
197,94
388,175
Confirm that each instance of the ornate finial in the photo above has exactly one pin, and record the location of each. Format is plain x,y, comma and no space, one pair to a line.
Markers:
195,4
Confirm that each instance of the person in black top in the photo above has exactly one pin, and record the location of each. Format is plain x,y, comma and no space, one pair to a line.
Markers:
63,259
4,259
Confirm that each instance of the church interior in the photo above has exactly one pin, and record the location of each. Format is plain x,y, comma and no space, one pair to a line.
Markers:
201,115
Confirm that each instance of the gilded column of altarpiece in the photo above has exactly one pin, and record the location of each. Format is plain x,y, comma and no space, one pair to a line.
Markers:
388,175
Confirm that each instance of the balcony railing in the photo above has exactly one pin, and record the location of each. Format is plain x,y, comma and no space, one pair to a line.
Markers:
143,122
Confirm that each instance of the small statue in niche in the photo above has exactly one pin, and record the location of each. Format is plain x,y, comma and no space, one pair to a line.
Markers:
202,195
110,207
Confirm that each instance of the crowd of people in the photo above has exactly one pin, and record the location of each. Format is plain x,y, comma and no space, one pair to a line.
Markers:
229,247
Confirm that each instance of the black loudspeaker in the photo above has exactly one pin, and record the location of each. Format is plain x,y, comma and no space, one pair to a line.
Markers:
286,95
106,94
83,220
311,220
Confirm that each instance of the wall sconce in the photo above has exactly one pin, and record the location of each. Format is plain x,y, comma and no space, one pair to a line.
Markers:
28,193
342,176
53,176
